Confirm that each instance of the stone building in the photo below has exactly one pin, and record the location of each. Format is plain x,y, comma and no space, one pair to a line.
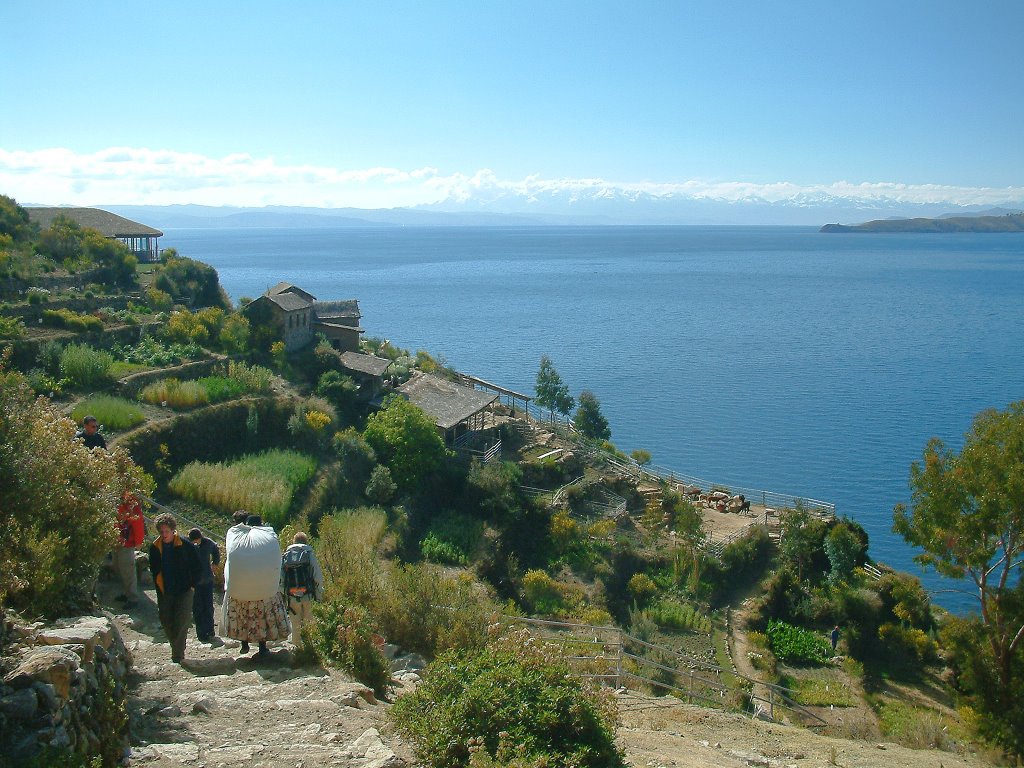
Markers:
299,317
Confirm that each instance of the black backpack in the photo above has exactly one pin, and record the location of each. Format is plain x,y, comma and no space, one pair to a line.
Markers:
298,572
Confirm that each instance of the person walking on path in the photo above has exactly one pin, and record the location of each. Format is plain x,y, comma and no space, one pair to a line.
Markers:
253,608
90,433
202,602
131,534
302,583
174,564
835,638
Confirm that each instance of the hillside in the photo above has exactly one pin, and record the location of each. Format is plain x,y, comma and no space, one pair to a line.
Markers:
1006,223
446,520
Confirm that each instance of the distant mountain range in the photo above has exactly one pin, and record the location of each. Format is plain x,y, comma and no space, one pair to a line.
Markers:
1006,222
556,207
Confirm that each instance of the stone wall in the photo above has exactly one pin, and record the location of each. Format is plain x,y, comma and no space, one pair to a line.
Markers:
64,689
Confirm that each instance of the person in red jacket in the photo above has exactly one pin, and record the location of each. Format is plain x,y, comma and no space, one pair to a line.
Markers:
132,533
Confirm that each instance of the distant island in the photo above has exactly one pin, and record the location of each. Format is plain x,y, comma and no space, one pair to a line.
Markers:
1013,222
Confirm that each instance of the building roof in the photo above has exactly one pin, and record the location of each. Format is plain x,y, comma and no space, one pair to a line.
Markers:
108,224
289,288
444,401
337,309
369,364
337,324
289,302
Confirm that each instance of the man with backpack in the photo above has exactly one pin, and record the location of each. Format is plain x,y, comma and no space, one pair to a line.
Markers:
302,582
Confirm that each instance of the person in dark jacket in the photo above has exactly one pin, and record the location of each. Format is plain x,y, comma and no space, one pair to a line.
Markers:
175,566
202,603
90,433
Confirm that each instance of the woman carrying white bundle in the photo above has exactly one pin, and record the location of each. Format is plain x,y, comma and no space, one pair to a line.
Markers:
254,610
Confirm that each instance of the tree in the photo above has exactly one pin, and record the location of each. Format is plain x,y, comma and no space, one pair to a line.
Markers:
589,420
967,515
406,440
841,547
799,539
552,392
14,220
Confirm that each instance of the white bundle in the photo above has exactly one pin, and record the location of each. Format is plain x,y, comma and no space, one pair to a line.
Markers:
253,567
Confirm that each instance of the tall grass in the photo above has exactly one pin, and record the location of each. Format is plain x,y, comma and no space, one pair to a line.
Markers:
265,484
670,614
112,412
84,366
255,378
176,394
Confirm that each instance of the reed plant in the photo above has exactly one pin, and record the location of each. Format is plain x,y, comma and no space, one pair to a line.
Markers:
84,366
114,413
264,484
175,394
255,378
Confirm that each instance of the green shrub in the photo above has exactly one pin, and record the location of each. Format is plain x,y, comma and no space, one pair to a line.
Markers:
73,321
48,357
255,378
341,636
11,327
152,352
380,489
112,412
797,645
440,551
43,383
512,691
906,646
264,484
175,394
219,388
671,614
39,573
84,366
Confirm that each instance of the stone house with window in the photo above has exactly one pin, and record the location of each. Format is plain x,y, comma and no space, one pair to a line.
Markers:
296,314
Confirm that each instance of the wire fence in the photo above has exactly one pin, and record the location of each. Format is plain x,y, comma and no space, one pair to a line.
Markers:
616,658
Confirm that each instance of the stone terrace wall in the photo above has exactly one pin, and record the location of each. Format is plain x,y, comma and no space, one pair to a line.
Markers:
64,689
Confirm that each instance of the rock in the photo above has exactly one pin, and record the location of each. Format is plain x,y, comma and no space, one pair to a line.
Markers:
390,651
370,747
55,665
60,739
205,706
171,711
47,696
349,699
412,662
20,705
880,746
178,753
366,695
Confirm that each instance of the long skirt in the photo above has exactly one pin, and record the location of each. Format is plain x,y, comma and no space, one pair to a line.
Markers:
256,621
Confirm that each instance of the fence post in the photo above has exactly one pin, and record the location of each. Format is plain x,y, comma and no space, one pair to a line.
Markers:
618,663
771,703
689,690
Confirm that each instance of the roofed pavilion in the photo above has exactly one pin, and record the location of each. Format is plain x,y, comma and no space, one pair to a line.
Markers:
453,407
143,241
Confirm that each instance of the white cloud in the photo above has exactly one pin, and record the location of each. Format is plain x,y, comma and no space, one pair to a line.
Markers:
132,175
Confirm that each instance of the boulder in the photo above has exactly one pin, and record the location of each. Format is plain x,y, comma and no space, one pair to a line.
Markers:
56,665
19,705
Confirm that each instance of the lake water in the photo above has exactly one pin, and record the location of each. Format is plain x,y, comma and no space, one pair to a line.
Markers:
768,357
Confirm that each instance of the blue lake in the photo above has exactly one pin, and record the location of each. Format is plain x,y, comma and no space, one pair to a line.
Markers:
769,357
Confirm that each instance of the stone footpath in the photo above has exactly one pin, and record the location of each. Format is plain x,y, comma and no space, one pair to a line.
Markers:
220,709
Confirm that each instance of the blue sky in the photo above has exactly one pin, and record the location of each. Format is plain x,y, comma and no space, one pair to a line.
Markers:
374,104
